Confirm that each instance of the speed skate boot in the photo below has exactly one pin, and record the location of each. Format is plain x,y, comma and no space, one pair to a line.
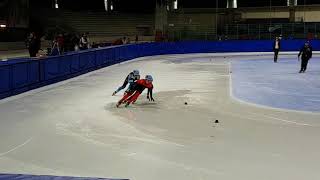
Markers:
118,104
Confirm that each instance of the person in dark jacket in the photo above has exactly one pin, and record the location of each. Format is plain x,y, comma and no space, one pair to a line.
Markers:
60,42
84,42
276,48
33,45
306,55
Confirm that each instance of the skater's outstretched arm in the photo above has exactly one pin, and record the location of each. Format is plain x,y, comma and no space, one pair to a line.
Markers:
149,95
300,51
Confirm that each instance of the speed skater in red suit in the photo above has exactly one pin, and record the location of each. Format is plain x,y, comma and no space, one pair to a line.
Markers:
137,88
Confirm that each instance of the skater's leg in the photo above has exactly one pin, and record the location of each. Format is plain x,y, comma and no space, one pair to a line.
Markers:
121,87
124,98
129,88
302,66
276,52
133,98
306,65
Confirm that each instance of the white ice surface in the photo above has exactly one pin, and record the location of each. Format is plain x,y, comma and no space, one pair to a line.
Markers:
72,128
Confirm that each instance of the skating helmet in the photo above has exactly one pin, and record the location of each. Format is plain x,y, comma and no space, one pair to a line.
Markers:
136,72
149,78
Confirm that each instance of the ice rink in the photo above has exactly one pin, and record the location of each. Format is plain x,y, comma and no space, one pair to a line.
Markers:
278,85
72,128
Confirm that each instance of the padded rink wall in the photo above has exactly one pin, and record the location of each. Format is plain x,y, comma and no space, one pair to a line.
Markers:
24,74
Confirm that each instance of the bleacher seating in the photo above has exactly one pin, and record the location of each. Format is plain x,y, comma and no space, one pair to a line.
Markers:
5,46
191,27
101,24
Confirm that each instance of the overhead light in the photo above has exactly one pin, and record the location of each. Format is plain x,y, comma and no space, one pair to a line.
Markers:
232,4
3,26
106,5
235,4
175,4
56,4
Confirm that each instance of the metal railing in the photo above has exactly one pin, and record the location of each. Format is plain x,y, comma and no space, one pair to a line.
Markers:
191,32
245,31
269,31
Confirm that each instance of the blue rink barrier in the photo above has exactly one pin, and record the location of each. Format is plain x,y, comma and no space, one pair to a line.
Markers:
24,74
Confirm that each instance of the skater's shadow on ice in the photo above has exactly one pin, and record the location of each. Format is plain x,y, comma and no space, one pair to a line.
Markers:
139,104
163,100
308,73
311,72
147,104
167,105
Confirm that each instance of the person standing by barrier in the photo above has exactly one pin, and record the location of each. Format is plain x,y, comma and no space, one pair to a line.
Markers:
306,55
33,44
75,40
84,42
60,43
276,48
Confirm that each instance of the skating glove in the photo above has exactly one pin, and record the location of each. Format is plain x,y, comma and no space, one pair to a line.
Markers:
150,98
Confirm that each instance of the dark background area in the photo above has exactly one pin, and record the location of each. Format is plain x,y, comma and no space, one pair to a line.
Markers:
3,9
38,11
149,5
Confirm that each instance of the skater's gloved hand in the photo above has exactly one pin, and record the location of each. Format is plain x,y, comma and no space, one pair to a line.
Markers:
150,98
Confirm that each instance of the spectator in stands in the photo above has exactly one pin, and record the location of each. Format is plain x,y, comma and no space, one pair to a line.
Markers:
276,48
94,45
55,51
60,44
124,40
33,44
75,42
117,42
84,42
68,45
137,38
88,39
310,36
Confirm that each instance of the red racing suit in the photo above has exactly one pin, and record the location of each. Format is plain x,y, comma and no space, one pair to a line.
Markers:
137,88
